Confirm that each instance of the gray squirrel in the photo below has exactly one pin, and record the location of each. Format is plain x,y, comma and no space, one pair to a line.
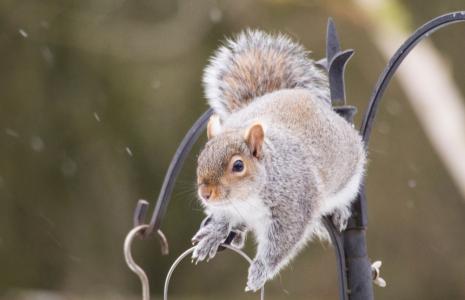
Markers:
278,158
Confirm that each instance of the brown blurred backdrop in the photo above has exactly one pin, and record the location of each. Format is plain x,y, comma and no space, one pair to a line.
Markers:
95,97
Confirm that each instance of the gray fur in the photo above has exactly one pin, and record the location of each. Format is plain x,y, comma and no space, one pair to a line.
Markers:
256,63
311,166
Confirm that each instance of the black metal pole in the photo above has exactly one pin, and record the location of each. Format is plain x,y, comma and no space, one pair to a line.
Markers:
356,281
353,264
358,264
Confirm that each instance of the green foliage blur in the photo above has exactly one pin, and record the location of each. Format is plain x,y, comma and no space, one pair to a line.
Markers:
95,97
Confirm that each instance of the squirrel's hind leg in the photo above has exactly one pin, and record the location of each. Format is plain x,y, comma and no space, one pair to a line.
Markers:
275,249
340,217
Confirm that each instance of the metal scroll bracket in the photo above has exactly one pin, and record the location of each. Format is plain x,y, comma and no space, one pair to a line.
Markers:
170,179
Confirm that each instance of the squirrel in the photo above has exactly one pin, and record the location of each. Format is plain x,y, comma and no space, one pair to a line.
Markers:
278,157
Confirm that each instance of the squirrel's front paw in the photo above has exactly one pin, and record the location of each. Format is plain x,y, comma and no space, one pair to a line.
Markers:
257,276
208,240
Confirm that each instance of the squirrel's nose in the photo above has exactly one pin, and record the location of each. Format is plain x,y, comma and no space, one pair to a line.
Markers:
205,192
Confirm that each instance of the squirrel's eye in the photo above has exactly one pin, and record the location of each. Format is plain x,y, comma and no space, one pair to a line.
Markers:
238,166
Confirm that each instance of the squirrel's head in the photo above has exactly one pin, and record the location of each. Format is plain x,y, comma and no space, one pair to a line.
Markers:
230,166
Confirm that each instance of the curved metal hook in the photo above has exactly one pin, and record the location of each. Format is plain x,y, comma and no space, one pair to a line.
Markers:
189,251
424,31
338,245
170,178
132,264
139,216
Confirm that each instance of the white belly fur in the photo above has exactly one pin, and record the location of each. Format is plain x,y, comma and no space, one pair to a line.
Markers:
251,211
344,197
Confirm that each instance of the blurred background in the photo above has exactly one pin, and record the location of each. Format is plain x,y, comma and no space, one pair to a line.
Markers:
95,97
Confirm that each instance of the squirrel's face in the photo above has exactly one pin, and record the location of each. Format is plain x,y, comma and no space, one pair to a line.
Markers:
229,167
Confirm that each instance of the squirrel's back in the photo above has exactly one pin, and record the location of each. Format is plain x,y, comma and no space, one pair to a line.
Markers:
256,63
329,143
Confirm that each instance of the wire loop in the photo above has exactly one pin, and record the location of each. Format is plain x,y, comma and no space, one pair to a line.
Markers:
189,251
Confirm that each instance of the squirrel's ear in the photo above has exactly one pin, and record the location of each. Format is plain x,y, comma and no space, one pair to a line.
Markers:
254,137
214,126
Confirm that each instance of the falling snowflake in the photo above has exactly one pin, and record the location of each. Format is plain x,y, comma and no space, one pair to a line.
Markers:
23,33
128,151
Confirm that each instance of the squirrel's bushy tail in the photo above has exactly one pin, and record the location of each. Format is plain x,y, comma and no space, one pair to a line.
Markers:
256,63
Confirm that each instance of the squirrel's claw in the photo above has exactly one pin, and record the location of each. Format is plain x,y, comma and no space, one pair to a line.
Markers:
212,252
199,236
208,239
199,254
207,246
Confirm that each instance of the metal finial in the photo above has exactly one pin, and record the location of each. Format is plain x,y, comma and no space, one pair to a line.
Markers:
336,61
332,40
